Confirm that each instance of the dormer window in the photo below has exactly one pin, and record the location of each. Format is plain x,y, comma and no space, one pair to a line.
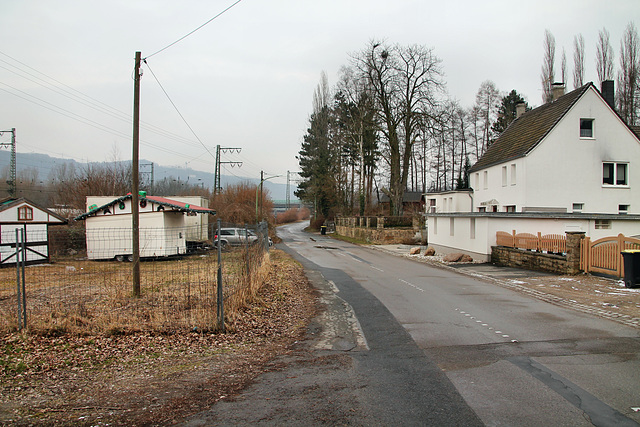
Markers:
586,128
25,213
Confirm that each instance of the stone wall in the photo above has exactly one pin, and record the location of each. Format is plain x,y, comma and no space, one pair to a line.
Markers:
561,264
382,236
510,257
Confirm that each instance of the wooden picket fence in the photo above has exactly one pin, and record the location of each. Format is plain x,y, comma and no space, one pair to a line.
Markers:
604,255
550,243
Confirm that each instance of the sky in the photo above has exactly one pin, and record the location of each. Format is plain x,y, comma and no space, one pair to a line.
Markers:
246,79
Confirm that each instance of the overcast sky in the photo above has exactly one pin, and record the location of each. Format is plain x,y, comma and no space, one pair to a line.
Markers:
247,78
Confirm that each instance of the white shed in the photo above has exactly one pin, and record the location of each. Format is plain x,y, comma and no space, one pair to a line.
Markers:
163,228
22,214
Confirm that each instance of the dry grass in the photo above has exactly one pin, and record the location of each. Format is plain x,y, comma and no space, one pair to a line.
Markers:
89,297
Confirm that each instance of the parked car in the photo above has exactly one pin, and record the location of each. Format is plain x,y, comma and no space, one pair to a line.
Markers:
234,237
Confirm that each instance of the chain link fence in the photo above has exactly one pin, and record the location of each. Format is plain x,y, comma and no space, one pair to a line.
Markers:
71,279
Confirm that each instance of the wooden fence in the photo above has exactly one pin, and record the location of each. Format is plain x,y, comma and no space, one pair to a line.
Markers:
604,255
550,243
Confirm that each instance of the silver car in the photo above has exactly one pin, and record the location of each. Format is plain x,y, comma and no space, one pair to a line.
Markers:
234,237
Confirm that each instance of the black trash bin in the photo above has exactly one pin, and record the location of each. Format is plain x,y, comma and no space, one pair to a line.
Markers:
323,229
631,259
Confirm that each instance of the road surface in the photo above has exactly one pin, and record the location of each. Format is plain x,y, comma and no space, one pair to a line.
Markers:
420,345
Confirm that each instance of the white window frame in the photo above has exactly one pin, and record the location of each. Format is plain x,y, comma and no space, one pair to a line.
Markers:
513,174
593,128
615,174
504,176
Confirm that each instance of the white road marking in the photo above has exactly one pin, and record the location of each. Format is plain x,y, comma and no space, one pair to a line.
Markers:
412,285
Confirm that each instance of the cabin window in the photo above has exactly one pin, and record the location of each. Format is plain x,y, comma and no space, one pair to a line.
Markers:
25,213
510,208
623,209
577,207
486,180
513,174
603,224
615,173
504,176
586,128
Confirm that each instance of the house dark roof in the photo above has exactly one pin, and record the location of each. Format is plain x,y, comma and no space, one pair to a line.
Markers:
163,201
527,131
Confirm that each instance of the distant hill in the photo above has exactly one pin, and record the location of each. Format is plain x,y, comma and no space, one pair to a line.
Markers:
44,164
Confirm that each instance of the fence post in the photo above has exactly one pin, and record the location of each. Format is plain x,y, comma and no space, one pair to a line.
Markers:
246,248
573,251
220,293
18,287
381,222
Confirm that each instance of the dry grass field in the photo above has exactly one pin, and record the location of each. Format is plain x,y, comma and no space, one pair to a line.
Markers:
88,297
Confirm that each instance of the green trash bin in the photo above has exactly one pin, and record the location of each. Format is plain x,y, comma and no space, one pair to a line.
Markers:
323,229
631,261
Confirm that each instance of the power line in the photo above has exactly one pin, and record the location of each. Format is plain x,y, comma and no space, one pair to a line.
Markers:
86,100
176,108
187,35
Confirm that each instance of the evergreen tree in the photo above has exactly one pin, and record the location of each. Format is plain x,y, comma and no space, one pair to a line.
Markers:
318,185
507,111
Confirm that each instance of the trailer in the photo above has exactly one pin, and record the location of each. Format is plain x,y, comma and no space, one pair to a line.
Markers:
163,227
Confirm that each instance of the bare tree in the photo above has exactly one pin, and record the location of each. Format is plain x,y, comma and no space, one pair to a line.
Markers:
578,61
547,75
405,83
563,67
628,86
604,57
487,104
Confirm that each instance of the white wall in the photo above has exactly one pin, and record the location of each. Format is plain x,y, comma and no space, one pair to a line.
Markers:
161,233
486,227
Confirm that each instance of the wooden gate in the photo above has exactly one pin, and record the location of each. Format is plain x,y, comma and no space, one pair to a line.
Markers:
603,255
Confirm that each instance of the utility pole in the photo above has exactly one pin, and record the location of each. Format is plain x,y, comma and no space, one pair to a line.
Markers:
135,214
216,173
150,175
12,174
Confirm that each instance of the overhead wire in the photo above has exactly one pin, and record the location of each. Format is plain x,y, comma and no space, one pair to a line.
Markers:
188,34
87,100
176,108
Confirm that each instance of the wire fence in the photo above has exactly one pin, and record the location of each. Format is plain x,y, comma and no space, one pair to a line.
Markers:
77,279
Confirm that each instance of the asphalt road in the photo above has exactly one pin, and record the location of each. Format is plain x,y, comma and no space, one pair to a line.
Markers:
410,344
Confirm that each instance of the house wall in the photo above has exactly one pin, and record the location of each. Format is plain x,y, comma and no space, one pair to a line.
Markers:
476,234
449,201
572,166
565,169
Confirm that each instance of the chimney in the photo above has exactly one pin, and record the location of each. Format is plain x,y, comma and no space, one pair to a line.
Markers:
607,93
557,90
521,107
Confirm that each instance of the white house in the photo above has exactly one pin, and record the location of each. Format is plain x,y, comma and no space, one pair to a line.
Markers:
574,154
163,229
22,214
569,165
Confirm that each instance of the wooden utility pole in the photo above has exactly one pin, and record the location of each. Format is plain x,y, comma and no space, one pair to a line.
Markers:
135,215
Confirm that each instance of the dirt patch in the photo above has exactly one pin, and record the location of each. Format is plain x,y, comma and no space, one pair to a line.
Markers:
152,379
